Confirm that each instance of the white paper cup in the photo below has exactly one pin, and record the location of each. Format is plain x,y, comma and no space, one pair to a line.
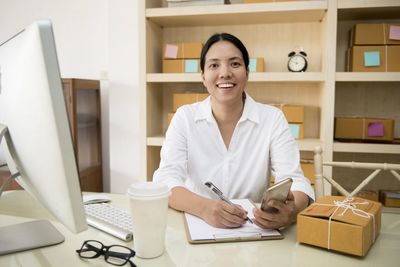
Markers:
149,208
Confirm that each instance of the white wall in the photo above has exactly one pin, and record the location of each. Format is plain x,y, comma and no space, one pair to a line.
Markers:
95,39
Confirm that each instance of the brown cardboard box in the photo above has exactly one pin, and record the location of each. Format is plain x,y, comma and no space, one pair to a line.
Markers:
308,170
350,232
359,60
258,66
368,34
370,195
186,98
390,198
293,113
181,65
297,130
393,58
183,50
363,128
173,65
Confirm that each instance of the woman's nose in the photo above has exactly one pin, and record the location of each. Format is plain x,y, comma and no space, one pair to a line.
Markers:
225,71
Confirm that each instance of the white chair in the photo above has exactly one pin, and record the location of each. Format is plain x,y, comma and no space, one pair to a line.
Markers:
319,177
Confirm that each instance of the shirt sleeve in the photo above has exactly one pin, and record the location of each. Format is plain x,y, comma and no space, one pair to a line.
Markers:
285,157
173,164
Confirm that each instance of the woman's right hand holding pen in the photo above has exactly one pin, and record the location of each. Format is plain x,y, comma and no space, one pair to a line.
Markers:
220,214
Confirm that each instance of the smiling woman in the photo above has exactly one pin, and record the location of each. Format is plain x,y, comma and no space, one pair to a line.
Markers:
233,142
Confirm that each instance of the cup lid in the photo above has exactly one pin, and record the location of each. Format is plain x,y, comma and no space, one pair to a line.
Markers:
148,189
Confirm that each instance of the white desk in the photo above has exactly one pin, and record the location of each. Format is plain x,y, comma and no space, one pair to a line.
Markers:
17,206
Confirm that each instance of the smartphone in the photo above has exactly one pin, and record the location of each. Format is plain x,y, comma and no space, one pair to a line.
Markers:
278,191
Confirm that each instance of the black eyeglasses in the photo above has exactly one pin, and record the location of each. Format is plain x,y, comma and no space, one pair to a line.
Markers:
115,254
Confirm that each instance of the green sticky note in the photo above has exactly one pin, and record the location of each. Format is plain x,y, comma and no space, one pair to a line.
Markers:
191,66
295,128
372,59
253,65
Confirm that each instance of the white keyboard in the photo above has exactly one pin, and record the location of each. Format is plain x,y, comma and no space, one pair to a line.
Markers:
110,219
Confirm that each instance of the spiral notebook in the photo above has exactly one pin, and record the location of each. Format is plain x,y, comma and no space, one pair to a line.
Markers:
198,231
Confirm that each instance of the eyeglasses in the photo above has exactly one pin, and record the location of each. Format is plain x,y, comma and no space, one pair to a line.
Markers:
115,254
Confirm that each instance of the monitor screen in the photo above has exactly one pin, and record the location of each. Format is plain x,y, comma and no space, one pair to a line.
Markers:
33,109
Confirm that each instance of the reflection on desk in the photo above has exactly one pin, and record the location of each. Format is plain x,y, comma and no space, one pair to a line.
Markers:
18,206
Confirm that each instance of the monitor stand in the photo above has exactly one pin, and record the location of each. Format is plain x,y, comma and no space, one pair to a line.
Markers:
27,235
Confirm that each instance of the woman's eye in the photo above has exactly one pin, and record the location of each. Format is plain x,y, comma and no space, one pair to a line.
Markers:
213,66
236,64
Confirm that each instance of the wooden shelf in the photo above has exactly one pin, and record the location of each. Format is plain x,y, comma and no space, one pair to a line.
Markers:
304,145
367,76
302,11
366,148
390,210
368,9
253,77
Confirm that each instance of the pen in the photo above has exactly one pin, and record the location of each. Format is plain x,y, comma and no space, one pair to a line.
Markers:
219,193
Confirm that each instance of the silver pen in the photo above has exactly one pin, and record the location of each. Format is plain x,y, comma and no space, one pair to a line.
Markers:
219,193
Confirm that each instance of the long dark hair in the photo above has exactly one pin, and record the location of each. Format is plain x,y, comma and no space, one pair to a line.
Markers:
223,37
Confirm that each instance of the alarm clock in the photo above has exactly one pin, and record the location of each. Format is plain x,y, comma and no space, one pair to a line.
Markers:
297,61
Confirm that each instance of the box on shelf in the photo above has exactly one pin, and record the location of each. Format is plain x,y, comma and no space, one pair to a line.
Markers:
374,58
390,198
297,130
370,195
368,58
364,128
393,58
181,66
187,98
256,64
375,34
293,113
308,170
182,50
349,232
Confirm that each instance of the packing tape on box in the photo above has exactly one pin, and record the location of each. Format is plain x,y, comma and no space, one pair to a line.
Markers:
348,204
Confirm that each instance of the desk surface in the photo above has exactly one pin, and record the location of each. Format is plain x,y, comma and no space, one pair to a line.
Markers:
18,206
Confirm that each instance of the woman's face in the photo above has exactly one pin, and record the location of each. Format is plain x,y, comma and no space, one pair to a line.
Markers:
225,74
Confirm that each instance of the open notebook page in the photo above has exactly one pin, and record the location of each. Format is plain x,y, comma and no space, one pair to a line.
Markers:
200,230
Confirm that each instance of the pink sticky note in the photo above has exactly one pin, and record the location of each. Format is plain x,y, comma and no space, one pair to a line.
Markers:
375,129
171,51
394,32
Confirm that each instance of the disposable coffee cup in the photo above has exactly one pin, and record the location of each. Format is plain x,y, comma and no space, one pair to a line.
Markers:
149,208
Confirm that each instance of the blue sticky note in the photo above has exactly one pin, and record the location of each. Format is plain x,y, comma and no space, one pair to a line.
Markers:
191,65
253,65
372,59
295,128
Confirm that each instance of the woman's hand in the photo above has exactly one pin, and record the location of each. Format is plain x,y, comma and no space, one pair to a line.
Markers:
286,214
223,215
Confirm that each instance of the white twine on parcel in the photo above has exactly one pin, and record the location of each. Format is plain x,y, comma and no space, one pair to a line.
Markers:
348,204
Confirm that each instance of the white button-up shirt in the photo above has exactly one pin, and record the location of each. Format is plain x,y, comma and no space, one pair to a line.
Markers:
194,152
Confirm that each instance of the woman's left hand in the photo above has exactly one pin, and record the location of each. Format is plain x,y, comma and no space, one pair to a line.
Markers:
285,214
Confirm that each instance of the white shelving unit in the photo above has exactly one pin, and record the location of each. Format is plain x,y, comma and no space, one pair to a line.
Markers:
271,31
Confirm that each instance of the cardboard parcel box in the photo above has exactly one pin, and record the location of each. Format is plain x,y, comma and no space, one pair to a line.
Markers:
353,227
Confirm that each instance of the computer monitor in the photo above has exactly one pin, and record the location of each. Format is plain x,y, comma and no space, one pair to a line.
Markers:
38,144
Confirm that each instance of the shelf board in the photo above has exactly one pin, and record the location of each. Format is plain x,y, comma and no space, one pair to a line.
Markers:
368,9
390,210
368,76
304,145
253,77
301,11
366,148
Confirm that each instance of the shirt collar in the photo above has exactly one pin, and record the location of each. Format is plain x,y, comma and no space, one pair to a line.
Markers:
249,112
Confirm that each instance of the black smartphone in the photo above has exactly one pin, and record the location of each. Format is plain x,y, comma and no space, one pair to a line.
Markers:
278,191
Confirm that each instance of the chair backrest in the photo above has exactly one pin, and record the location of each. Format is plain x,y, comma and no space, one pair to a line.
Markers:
319,176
